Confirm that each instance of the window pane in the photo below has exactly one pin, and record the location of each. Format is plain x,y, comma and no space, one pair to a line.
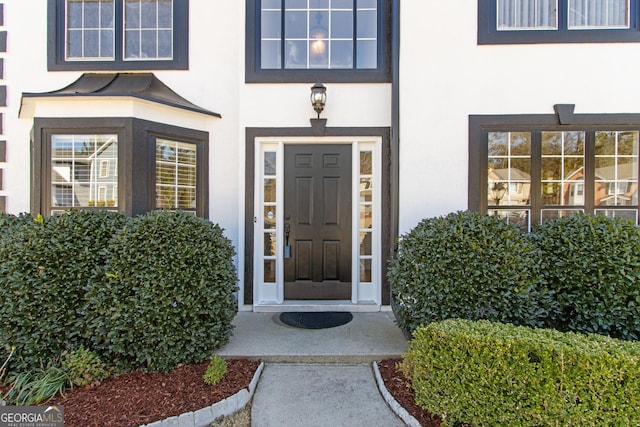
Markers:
269,217
295,25
367,54
165,44
89,29
148,44
366,163
562,168
549,214
84,170
366,189
74,44
365,270
106,43
269,190
176,175
271,25
342,24
91,14
509,169
296,54
367,24
616,169
132,44
269,271
74,14
520,218
270,163
342,4
271,4
631,215
132,14
91,44
318,54
365,216
270,55
341,54
269,244
365,243
148,14
527,14
165,14
318,4
598,14
149,29
295,4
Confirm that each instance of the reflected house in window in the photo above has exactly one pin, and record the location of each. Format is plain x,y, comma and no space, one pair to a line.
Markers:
573,190
517,184
617,185
84,171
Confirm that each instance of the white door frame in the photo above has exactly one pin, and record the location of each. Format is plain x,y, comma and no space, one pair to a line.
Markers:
268,290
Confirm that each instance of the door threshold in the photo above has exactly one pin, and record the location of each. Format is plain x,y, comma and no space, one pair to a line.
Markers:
317,306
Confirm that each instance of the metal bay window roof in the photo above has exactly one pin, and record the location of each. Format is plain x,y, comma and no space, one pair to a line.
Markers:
145,86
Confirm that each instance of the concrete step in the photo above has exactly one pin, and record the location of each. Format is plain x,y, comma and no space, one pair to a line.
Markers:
368,337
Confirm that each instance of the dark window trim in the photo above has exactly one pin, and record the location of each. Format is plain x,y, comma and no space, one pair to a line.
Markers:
254,74
136,160
489,34
481,125
389,225
56,60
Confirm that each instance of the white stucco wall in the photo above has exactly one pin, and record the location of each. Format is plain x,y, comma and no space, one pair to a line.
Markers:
445,77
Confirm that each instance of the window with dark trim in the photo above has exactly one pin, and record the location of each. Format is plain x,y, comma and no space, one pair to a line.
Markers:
124,164
529,169
118,34
557,21
311,40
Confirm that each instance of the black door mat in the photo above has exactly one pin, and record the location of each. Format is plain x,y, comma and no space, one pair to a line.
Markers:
316,320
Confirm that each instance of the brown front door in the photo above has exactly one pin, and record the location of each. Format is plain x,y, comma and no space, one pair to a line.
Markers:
317,216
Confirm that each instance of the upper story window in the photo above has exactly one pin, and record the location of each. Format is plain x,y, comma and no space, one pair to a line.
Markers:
118,34
328,40
557,21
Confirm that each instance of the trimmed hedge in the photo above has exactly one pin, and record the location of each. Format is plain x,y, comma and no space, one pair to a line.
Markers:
46,265
467,265
490,374
168,296
593,265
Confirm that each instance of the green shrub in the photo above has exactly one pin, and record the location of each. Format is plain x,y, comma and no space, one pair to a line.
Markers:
168,297
593,265
46,265
9,220
216,370
83,367
467,265
490,374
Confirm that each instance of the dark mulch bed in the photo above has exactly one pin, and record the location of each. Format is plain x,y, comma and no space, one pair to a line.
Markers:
139,398
400,388
136,398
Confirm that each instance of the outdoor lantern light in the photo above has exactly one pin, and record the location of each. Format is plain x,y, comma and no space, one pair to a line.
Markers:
318,97
498,191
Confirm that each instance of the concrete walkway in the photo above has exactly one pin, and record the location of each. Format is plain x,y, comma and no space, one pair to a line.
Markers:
319,377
